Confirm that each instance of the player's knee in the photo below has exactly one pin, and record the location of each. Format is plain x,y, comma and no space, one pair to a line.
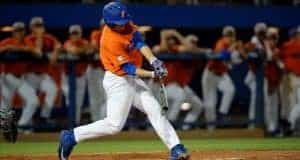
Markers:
114,129
230,90
33,101
209,105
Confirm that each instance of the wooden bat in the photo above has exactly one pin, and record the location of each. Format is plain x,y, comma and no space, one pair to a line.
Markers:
163,97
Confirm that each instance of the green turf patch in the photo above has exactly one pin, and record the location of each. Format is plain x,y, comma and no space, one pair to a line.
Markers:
45,148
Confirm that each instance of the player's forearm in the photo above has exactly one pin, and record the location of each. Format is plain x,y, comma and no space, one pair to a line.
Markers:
144,73
147,53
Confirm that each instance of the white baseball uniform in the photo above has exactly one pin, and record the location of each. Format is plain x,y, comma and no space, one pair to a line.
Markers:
44,83
96,92
124,91
12,84
177,95
210,83
250,81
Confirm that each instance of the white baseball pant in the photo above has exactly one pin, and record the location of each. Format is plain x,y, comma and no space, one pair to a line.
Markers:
210,83
285,95
96,92
196,103
271,101
295,100
177,95
123,92
45,84
250,81
80,90
12,84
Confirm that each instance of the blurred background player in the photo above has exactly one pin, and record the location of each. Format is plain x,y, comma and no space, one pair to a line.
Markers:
216,76
255,46
13,81
95,74
76,45
291,54
42,75
273,75
179,76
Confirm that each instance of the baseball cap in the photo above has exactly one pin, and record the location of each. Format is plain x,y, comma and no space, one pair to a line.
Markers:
228,31
17,26
36,21
260,27
75,29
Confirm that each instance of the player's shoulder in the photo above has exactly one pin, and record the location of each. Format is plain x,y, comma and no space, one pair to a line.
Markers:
7,40
109,36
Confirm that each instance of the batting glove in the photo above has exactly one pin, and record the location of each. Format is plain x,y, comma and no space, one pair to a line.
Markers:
160,70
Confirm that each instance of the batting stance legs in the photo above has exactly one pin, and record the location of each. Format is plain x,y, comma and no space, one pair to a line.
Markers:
122,93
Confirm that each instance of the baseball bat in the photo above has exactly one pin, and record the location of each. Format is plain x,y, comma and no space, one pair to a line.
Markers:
163,97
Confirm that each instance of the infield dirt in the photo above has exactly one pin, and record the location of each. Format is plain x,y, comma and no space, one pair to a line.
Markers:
199,155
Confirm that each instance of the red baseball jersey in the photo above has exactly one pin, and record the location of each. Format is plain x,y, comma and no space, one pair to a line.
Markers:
17,68
81,67
290,55
48,45
95,39
218,66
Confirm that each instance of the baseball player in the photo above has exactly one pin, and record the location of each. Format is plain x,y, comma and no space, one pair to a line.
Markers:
95,74
41,75
179,76
256,45
291,60
215,77
121,50
13,81
76,45
273,75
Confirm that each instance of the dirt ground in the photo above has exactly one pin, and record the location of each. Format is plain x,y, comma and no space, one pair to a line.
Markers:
201,155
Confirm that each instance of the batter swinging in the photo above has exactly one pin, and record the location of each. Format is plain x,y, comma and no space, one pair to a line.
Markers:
121,48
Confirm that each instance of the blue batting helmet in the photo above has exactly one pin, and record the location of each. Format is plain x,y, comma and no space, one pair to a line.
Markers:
115,13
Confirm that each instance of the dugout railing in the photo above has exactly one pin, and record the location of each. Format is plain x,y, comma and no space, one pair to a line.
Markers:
71,61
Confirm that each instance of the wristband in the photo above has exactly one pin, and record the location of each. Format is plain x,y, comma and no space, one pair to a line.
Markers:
152,74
